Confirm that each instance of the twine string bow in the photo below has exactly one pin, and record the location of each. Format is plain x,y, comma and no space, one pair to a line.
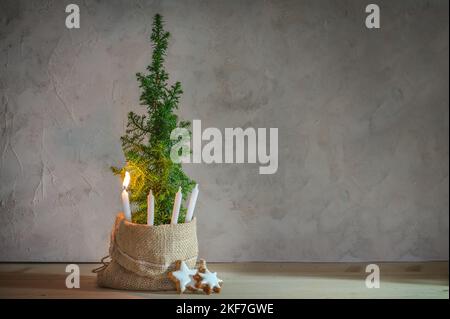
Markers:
103,266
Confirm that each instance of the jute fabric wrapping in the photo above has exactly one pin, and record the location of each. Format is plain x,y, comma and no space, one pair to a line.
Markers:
141,255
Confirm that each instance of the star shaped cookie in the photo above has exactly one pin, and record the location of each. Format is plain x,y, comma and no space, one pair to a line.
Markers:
182,276
208,281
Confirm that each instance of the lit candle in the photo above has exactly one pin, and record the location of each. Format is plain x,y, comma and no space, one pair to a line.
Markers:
191,206
176,207
150,208
125,199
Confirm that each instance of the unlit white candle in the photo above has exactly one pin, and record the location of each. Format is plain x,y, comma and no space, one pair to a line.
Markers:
191,206
176,207
125,198
150,208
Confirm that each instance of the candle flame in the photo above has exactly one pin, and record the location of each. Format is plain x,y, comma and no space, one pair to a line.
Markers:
126,180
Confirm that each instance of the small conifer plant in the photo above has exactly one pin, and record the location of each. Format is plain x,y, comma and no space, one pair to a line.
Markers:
147,142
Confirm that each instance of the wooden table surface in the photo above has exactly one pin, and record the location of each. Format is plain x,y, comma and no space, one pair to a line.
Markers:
245,280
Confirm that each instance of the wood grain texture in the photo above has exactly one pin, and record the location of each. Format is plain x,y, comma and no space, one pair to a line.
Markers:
246,280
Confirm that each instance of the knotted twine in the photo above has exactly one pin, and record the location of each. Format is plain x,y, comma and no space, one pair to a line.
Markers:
141,255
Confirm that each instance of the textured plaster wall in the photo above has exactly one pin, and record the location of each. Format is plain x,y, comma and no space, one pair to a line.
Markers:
363,118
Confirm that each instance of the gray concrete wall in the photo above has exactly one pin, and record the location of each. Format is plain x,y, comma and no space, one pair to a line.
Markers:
363,118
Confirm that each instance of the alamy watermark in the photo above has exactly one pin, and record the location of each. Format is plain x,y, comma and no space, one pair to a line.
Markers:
229,149
372,20
73,279
73,17
373,279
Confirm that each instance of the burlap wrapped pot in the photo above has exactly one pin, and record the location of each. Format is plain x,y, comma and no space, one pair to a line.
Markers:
141,255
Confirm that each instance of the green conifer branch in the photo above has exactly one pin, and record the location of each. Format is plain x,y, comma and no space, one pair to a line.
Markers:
146,143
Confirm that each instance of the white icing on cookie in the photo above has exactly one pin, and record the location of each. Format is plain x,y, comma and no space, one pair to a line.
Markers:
184,276
210,279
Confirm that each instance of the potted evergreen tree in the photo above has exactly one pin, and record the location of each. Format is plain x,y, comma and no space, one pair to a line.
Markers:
142,255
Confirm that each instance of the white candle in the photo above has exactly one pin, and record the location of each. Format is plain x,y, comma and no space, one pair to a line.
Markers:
125,199
150,208
176,207
191,206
